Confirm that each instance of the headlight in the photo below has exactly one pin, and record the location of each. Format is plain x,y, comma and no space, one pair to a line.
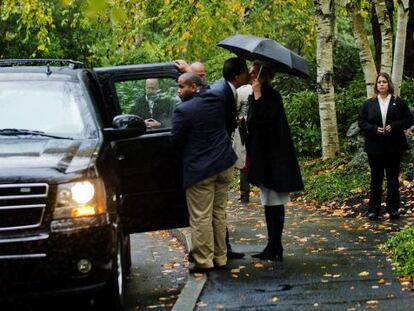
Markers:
80,199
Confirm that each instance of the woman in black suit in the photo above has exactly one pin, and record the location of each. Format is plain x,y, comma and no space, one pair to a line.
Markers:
273,166
383,119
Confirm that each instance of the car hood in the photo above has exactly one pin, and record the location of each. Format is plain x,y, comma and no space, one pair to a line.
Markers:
58,155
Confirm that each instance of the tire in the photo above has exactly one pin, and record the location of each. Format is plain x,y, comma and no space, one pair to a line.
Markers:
112,298
127,256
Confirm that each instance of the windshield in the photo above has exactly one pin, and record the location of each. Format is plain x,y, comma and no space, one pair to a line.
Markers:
53,107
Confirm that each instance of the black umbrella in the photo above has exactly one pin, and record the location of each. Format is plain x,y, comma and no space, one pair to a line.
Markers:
252,47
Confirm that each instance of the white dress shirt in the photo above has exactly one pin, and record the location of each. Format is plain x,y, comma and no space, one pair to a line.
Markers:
384,103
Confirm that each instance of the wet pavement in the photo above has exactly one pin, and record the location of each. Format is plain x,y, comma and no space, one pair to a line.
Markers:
330,263
158,272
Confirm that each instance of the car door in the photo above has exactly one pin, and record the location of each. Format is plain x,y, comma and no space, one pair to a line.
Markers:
149,169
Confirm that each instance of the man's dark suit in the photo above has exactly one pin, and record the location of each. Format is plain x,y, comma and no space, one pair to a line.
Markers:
199,127
223,88
162,109
384,150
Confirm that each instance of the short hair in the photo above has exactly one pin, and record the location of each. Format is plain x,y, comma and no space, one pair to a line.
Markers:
387,77
232,67
191,78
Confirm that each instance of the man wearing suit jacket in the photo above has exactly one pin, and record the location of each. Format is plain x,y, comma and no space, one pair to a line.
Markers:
199,130
235,73
383,119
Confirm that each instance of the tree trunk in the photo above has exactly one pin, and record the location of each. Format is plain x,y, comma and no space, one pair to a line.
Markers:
325,21
361,38
376,35
386,35
409,46
398,62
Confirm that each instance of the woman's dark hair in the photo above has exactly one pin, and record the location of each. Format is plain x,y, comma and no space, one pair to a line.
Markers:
390,84
268,71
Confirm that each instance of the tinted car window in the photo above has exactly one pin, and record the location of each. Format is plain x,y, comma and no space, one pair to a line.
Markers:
53,107
149,98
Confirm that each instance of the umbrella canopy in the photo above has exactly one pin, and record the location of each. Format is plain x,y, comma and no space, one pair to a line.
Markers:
268,50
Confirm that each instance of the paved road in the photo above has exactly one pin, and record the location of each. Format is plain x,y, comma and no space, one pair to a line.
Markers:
330,263
157,274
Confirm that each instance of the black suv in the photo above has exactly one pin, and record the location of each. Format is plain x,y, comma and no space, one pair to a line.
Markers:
78,174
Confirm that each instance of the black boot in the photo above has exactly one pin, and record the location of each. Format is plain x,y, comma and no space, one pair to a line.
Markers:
279,221
269,251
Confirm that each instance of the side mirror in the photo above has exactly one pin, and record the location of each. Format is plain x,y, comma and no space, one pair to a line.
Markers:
129,121
125,126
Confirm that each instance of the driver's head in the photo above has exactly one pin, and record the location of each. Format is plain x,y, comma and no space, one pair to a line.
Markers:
188,84
151,86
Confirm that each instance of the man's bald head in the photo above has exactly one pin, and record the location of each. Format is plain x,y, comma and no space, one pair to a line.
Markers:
151,86
199,69
188,84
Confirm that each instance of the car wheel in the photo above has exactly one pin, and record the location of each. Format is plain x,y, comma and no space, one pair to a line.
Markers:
113,296
127,257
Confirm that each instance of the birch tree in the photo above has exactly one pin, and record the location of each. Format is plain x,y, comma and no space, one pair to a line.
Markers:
362,43
325,25
386,35
398,62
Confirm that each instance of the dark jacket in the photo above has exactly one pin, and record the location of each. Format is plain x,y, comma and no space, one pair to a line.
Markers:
223,88
198,128
398,116
270,148
162,110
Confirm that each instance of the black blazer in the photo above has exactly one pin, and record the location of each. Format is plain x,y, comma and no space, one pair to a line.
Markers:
223,88
199,130
398,116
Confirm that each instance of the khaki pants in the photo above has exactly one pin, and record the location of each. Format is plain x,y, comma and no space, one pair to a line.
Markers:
207,202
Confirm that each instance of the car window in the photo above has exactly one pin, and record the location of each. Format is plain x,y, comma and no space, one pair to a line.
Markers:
53,107
149,98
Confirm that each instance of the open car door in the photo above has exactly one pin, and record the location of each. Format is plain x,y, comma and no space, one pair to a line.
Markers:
149,168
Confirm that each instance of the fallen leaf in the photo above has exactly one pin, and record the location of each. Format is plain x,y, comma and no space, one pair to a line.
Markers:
381,281
202,304
363,273
258,265
235,270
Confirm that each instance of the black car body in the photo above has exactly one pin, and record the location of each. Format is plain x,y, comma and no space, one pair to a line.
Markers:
73,186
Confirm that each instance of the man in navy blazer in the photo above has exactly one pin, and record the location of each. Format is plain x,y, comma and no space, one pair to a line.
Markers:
235,74
199,129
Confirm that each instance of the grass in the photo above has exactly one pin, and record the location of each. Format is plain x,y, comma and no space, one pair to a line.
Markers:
401,250
333,180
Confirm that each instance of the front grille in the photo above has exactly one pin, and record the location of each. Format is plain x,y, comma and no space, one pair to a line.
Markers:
22,206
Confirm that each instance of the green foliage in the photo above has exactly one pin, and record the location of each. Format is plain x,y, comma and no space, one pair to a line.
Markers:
303,115
401,247
407,91
348,100
333,180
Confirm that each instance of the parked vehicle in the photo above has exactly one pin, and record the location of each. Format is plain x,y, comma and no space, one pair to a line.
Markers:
78,175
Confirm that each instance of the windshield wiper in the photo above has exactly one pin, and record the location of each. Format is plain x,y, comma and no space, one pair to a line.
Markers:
16,132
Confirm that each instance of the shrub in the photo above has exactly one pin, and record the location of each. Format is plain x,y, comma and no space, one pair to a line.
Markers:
407,91
333,180
401,247
303,115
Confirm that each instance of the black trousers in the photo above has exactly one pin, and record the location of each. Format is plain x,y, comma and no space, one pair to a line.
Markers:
244,186
390,164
